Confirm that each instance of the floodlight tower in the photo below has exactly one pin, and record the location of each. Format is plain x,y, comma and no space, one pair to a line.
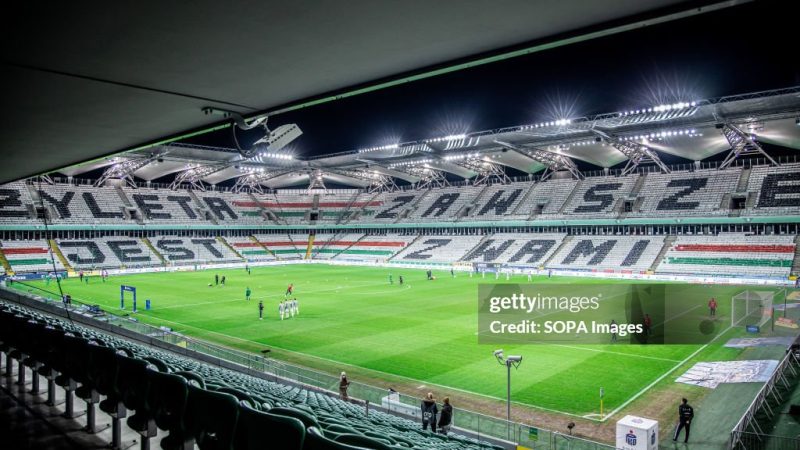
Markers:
515,361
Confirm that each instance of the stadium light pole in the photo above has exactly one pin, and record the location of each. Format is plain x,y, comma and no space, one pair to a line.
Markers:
515,361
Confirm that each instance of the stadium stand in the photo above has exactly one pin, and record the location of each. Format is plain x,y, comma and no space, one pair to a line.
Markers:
775,190
440,203
500,201
285,246
290,208
686,193
185,250
190,401
730,254
326,246
768,190
106,253
374,247
598,196
438,248
29,256
231,208
515,248
81,204
15,203
250,248
163,206
546,198
621,254
395,205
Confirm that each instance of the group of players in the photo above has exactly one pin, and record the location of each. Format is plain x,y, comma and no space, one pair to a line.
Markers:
287,308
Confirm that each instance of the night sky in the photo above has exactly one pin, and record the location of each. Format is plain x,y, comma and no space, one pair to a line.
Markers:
747,48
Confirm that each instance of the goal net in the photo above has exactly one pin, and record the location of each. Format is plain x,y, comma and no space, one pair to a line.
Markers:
751,308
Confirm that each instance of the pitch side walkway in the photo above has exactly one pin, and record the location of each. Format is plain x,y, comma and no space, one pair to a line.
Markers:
718,412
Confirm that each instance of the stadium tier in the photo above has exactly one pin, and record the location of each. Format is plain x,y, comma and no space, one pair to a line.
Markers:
29,256
179,400
763,190
730,254
515,248
622,254
438,249
735,192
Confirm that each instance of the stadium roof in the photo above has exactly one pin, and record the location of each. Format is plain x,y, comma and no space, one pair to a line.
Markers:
694,129
84,81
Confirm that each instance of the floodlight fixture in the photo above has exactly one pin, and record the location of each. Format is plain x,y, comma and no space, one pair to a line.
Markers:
511,360
247,133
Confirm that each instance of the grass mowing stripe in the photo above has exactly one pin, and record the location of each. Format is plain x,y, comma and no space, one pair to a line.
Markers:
351,315
378,371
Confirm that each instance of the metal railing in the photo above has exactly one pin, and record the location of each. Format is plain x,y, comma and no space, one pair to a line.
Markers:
747,429
757,441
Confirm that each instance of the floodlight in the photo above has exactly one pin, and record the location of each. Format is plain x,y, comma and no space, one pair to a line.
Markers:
246,134
514,358
498,353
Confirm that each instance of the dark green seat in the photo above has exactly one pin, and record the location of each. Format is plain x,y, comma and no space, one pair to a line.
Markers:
169,396
338,428
255,427
243,397
307,419
315,440
360,440
104,360
134,385
212,418
193,377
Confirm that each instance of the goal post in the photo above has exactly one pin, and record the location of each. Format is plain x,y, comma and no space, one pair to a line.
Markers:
751,307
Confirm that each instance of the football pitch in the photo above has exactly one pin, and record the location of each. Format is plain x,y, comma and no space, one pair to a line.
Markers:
423,331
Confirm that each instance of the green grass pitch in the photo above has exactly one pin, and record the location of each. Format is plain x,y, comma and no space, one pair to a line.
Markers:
423,330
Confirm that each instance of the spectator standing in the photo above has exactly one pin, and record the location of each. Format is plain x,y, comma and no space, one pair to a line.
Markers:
344,383
429,411
446,418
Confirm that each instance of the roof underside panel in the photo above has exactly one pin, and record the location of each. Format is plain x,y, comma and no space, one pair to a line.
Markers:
108,79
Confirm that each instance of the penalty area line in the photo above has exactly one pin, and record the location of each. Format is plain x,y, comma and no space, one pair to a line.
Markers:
666,374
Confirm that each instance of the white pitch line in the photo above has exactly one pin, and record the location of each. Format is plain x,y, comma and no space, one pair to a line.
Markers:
597,350
657,380
380,372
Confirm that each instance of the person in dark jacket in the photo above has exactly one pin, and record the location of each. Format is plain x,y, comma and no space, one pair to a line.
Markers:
429,411
685,416
446,418
344,383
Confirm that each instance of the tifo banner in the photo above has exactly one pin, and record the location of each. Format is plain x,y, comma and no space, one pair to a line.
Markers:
599,313
712,374
782,341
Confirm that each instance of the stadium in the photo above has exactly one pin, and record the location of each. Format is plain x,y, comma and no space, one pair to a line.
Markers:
561,281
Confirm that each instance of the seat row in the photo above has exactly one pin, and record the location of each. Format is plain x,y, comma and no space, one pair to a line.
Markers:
156,392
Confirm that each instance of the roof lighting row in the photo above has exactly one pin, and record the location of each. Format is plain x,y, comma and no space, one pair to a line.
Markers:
659,108
663,134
